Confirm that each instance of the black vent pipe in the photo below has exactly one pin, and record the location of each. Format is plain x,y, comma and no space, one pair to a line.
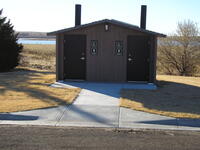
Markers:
77,15
143,17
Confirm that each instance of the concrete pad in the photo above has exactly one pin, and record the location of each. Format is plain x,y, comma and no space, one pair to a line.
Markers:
97,101
87,97
85,92
48,116
136,119
104,85
69,84
139,116
91,116
147,86
109,89
146,126
101,92
188,128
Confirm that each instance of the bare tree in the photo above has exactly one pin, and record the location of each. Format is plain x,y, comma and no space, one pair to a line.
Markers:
180,52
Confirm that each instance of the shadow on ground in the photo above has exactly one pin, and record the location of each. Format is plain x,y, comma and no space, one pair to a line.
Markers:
13,117
161,122
9,82
19,81
108,88
174,122
87,115
169,97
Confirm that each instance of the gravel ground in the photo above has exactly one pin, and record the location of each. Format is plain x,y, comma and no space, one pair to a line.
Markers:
51,138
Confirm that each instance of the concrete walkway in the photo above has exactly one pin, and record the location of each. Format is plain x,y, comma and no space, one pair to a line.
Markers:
98,106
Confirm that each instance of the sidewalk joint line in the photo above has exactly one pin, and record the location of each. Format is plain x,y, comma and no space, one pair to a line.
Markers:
66,107
119,118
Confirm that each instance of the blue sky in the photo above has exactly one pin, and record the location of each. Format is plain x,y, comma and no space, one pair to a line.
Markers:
50,15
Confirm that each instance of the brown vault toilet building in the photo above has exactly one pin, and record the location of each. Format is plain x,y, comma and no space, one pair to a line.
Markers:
106,50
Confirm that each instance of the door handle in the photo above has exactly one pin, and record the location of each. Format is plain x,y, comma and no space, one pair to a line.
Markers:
82,58
130,59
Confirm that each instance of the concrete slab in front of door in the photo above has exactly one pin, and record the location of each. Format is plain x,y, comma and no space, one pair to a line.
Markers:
144,86
104,86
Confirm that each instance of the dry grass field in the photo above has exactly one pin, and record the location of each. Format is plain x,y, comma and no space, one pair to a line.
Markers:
29,89
28,86
25,89
176,96
38,56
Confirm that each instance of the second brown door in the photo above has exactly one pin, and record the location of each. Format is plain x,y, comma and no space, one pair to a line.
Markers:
138,52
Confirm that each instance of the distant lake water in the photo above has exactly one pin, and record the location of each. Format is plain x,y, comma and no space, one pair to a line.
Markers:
36,41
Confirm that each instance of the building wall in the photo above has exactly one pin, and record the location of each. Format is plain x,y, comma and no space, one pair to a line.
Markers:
154,62
59,58
106,66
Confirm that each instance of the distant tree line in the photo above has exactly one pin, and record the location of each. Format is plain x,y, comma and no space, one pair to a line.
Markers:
179,53
34,35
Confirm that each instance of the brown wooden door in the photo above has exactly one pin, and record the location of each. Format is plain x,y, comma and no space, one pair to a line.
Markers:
138,52
75,57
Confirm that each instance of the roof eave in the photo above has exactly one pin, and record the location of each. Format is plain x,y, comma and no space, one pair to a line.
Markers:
108,21
77,27
73,28
161,35
59,31
51,34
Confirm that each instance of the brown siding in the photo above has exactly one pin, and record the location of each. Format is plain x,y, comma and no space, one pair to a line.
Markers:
155,59
151,65
59,57
106,66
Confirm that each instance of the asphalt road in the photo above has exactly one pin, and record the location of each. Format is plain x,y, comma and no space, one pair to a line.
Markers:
52,138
